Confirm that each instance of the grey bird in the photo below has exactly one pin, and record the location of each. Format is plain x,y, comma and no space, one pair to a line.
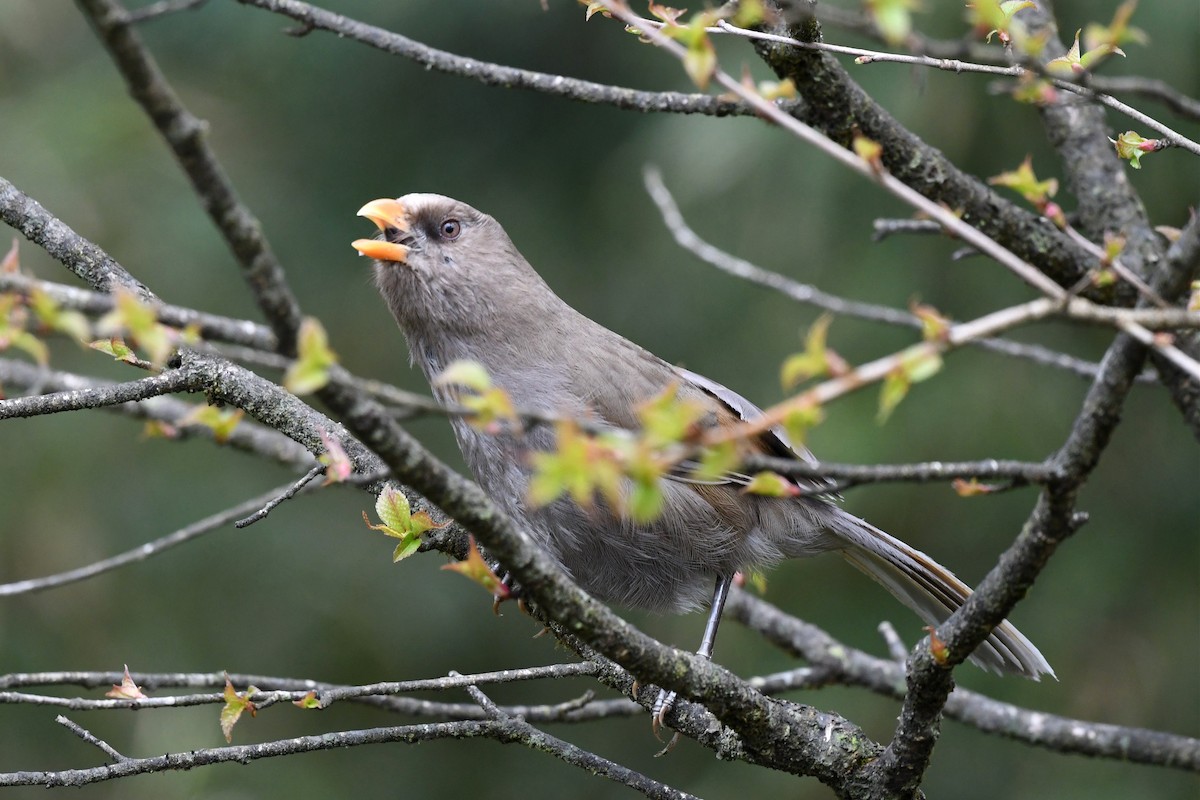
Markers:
459,289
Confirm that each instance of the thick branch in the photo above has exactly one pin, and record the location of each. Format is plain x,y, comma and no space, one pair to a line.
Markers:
85,259
838,107
187,137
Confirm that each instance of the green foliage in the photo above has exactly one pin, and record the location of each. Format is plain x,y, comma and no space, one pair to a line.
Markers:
310,371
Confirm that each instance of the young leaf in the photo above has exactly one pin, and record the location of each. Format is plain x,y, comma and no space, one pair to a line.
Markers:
310,700
1074,63
917,364
126,689
814,360
594,8
1131,146
469,374
716,462
991,18
971,488
1117,32
476,569
893,18
870,151
11,263
221,422
310,371
934,327
771,484
115,347
399,522
51,315
749,13
895,387
1023,181
666,419
235,704
700,61
799,421
580,466
337,464
137,321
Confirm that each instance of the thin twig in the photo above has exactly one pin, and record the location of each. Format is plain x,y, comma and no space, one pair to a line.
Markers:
491,74
976,238
162,8
288,493
863,56
141,552
166,383
805,293
211,327
90,738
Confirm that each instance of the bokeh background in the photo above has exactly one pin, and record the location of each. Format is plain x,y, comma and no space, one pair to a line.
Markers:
309,129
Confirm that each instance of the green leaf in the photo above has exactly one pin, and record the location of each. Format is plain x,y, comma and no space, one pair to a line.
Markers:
221,422
700,61
1023,181
749,13
921,363
71,323
1117,32
666,419
115,347
771,484
24,340
934,327
893,18
399,522
476,569
716,462
895,387
310,371
469,374
814,360
309,701
1131,146
137,321
645,502
235,704
800,420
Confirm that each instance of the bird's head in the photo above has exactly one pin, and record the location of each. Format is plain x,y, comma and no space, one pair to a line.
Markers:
443,266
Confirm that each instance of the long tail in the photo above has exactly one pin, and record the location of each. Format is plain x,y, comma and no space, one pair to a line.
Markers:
934,593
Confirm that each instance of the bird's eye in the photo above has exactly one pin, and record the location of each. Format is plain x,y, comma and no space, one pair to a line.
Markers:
450,229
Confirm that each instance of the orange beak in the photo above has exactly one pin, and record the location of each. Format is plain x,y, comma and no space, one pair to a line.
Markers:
385,213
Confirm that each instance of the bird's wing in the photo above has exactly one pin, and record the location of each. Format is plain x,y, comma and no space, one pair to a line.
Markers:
773,442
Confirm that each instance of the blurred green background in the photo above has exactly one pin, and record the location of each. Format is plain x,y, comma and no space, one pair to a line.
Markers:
309,129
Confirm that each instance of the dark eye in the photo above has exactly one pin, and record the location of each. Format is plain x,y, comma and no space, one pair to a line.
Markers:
450,229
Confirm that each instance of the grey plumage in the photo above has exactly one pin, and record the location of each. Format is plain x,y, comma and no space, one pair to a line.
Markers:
459,289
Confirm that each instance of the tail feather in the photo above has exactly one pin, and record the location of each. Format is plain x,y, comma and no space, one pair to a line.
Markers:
933,592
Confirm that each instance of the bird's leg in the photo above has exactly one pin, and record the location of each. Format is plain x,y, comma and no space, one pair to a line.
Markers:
667,699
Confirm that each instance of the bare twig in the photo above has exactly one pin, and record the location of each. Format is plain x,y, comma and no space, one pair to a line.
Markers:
805,293
287,494
141,552
211,326
99,397
499,75
863,56
90,738
186,136
162,8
